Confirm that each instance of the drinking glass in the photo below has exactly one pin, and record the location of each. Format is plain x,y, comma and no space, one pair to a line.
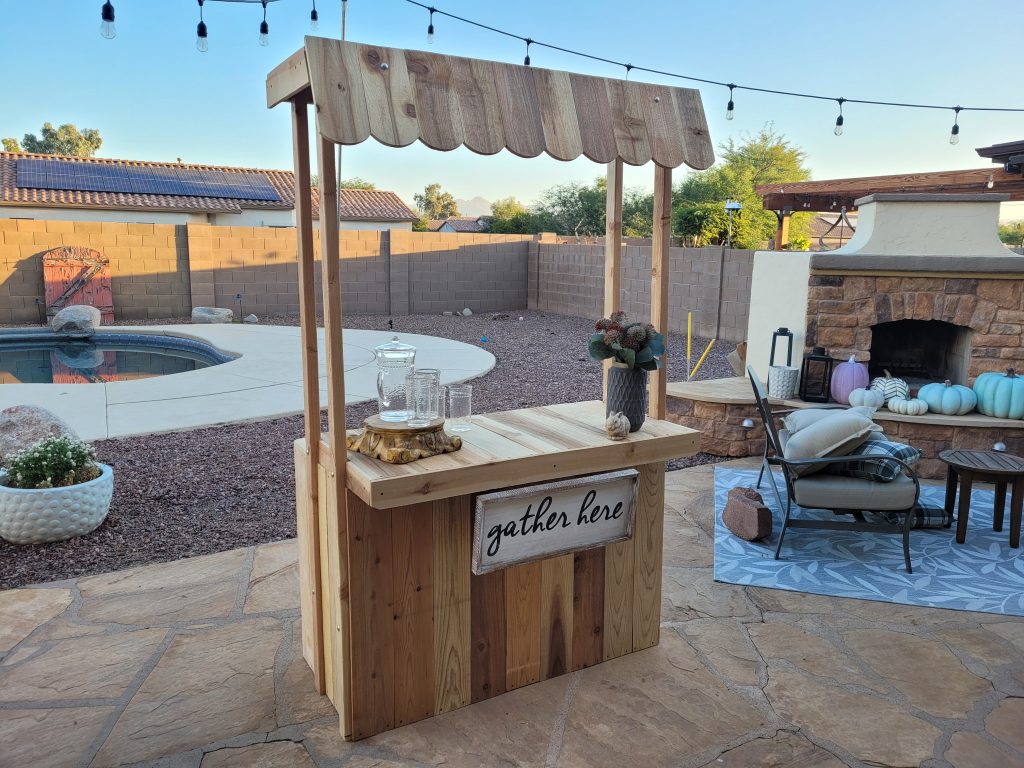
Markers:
460,407
423,397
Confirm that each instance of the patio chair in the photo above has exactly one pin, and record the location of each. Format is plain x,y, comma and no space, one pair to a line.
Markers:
840,495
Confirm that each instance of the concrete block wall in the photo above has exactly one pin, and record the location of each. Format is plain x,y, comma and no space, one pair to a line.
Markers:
148,265
569,278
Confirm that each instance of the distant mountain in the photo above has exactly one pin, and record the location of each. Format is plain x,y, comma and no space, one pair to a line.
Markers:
478,206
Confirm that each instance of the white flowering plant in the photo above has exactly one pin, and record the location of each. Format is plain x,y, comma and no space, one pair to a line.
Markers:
52,463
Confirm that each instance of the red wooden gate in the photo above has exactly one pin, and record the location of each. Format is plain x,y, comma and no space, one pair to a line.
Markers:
76,275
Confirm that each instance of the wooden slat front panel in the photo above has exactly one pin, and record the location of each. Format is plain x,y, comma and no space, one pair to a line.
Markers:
452,538
618,599
373,626
647,544
413,532
487,641
588,608
522,618
556,616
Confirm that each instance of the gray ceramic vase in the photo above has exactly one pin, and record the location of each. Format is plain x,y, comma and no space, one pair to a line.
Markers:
627,392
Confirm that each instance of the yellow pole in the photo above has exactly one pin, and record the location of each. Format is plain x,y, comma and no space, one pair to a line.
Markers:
697,366
689,342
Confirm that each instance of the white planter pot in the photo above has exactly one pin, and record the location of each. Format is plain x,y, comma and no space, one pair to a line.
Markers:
37,515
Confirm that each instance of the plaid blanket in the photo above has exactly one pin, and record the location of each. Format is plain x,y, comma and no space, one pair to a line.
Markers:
874,469
925,516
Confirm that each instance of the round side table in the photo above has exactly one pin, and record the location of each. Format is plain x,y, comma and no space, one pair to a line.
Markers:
1000,468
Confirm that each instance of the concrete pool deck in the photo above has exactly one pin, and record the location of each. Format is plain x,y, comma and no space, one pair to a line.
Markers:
264,382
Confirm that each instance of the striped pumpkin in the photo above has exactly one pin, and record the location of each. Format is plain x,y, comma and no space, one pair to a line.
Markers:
890,387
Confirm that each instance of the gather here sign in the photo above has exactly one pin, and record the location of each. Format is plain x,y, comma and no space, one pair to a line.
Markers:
547,519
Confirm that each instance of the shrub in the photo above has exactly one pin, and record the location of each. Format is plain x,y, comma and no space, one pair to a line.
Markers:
52,463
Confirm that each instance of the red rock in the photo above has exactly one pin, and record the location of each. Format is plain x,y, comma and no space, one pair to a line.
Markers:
746,516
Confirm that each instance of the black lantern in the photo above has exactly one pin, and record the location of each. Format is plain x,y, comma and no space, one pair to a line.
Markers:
815,376
788,335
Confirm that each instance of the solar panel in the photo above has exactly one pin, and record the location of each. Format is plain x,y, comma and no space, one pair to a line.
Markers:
188,182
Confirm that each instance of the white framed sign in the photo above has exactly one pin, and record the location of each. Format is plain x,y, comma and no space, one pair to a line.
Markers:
538,521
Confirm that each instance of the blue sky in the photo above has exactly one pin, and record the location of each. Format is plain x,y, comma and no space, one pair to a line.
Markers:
153,96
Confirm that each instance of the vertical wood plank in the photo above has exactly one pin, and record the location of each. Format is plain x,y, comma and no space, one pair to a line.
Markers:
452,539
522,617
618,599
647,544
372,633
662,240
331,574
558,114
487,639
556,616
337,84
412,530
591,98
390,100
306,509
437,108
520,110
588,608
477,92
612,251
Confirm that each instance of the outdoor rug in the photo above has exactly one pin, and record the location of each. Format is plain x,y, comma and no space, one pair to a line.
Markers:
983,574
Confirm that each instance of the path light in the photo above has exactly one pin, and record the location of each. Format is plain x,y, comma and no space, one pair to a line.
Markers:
107,28
202,44
1000,447
748,424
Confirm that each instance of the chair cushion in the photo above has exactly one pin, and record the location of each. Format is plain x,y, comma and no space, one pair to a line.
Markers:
836,435
824,491
878,470
805,417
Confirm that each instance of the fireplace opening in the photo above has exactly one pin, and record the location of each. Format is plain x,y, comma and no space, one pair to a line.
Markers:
921,351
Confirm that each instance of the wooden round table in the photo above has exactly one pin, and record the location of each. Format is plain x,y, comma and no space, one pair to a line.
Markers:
992,466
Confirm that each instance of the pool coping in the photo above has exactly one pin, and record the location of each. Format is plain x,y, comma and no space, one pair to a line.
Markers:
263,382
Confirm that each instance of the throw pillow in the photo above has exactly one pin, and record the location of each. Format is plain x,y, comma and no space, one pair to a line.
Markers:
879,470
805,417
837,435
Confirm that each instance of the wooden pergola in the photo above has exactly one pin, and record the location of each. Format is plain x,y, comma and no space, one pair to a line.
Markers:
398,97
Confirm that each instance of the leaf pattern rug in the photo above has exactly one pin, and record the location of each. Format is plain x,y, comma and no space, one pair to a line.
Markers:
983,574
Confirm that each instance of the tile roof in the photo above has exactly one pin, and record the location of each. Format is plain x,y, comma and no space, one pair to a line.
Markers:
356,204
821,223
465,223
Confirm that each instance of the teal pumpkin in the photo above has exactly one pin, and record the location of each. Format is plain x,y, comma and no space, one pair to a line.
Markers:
1000,394
948,398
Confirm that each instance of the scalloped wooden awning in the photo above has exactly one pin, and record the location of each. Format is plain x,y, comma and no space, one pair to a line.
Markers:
399,96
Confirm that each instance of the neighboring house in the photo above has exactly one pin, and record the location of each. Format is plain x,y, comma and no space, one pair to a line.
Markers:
462,224
835,233
98,189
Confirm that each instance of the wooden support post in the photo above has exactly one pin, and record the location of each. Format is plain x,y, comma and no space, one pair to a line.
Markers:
612,250
660,244
782,232
330,256
312,626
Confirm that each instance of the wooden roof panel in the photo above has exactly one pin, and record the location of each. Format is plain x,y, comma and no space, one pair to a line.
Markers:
446,102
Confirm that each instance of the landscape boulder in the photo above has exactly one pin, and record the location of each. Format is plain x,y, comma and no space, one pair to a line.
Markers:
212,315
746,515
25,425
251,320
76,320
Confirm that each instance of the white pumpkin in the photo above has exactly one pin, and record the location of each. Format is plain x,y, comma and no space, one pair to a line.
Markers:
890,386
913,406
867,397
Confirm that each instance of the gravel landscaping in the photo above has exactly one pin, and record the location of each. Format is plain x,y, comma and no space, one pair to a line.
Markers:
208,490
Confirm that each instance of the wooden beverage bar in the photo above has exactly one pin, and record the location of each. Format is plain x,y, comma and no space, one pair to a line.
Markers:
535,549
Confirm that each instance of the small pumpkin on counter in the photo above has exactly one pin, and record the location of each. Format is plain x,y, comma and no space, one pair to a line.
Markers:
847,377
1001,394
908,406
867,397
890,386
948,398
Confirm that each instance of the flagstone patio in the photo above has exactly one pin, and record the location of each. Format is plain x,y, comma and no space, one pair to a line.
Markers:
197,663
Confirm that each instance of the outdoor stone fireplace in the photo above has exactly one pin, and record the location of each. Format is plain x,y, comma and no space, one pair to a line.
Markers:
920,351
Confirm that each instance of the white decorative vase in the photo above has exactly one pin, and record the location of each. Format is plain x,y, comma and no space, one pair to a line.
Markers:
782,381
38,515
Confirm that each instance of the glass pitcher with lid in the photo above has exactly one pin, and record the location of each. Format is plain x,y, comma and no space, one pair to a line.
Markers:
394,362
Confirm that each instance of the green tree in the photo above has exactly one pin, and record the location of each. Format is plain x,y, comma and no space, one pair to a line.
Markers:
509,216
1012,234
578,209
435,203
357,183
64,140
699,200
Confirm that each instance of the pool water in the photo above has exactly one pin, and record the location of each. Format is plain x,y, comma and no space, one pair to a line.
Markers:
45,358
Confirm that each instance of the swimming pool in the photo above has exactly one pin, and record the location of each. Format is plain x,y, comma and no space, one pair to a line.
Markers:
43,357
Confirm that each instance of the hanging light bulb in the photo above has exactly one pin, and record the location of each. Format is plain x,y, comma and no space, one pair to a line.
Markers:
430,27
730,108
264,38
202,44
629,68
107,29
526,60
839,120
954,133
990,183
314,19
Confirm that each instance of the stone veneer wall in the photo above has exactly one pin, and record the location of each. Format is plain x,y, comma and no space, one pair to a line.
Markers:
842,308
